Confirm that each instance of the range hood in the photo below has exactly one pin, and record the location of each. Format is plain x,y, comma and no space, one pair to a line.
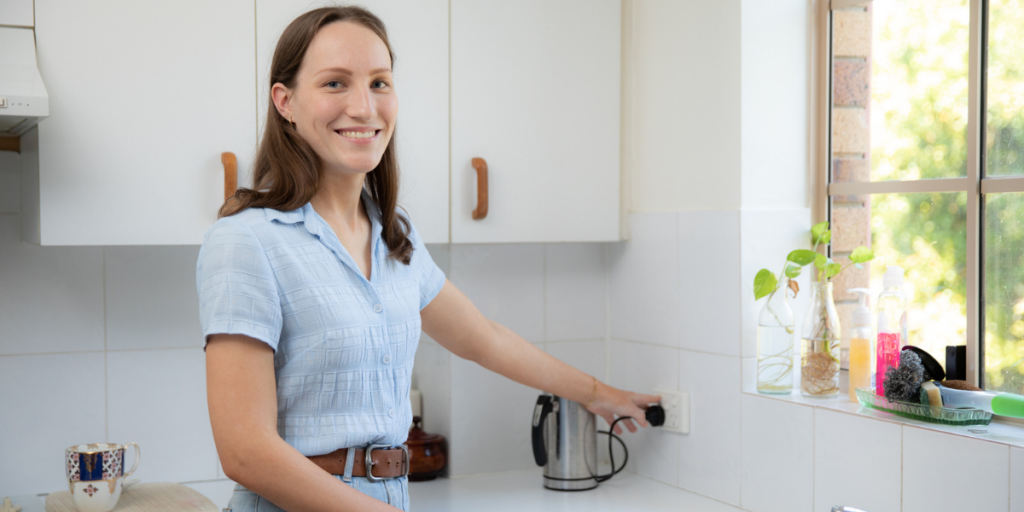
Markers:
23,98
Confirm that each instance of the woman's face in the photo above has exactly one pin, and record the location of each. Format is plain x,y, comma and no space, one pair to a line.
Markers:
343,103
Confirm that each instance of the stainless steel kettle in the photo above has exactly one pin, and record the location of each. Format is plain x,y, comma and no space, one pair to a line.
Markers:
565,443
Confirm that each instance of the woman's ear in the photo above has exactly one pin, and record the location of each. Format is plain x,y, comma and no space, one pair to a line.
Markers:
282,97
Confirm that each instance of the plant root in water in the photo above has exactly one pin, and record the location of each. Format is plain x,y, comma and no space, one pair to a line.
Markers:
818,374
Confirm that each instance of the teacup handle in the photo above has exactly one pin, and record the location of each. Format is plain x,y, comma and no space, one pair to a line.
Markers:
138,455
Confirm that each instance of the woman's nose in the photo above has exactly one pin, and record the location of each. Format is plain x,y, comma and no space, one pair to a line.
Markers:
361,104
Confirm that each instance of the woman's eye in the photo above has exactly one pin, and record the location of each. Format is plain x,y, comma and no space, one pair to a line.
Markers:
334,84
380,84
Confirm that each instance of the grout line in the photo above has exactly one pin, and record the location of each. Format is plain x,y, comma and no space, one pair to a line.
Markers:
451,187
607,313
683,349
814,448
544,291
902,469
106,379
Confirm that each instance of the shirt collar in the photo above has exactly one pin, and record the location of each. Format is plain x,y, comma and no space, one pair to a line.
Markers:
313,224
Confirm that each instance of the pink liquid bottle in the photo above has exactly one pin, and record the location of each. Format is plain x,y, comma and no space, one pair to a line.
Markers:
892,325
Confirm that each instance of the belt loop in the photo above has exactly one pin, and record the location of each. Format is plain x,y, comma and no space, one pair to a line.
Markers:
350,460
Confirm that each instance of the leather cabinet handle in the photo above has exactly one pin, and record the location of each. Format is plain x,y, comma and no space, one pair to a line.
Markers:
230,163
481,188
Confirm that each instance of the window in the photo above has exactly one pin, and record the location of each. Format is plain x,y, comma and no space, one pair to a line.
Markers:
925,164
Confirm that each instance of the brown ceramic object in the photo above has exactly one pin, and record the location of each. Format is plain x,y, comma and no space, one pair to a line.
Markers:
428,453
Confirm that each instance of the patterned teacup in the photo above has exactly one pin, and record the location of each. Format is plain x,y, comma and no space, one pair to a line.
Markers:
96,474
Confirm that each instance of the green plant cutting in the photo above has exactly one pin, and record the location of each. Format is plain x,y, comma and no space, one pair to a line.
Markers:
819,358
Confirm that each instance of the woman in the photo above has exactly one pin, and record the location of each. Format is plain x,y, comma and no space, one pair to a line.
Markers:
313,290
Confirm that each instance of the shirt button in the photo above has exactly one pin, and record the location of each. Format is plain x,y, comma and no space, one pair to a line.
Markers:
387,359
391,413
378,307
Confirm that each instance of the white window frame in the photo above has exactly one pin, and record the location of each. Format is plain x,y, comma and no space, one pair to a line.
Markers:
974,185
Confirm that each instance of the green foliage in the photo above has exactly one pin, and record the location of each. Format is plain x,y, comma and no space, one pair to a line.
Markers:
793,271
802,257
820,234
764,283
862,255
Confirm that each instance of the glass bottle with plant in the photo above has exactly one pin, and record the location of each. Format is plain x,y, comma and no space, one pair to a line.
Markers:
819,354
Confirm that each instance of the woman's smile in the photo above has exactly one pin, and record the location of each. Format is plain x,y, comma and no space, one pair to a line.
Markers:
361,135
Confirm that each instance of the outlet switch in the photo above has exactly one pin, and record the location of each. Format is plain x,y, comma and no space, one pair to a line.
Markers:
677,410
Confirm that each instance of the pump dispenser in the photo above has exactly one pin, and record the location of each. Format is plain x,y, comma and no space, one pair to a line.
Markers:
860,344
892,325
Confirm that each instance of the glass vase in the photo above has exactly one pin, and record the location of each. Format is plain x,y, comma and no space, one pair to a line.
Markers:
775,335
819,351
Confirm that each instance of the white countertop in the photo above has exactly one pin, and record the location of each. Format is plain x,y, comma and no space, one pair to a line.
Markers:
523,490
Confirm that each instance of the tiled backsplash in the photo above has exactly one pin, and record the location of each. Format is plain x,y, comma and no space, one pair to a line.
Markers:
103,343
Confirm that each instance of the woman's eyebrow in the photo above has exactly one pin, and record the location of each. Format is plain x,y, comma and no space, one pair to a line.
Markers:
344,71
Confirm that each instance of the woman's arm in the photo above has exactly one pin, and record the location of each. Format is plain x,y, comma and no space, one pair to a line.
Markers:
242,396
454,322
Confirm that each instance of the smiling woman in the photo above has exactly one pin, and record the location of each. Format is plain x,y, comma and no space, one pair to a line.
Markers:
314,290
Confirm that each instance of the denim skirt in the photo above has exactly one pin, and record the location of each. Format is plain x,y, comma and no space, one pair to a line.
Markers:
393,491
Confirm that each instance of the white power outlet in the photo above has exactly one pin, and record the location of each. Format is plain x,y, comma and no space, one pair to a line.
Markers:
677,410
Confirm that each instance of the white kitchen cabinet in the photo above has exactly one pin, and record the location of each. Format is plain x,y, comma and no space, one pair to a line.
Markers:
535,91
144,97
418,33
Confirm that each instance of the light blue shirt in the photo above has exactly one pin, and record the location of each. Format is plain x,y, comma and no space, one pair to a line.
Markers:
343,346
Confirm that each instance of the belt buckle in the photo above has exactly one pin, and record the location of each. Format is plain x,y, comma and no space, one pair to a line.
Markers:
369,462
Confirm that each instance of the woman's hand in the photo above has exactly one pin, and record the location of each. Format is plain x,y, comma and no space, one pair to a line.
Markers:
610,402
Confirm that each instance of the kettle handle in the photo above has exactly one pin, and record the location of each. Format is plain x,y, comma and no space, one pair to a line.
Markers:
540,413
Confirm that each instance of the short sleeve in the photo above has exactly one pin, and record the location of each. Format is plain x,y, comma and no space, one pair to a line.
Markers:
431,278
237,289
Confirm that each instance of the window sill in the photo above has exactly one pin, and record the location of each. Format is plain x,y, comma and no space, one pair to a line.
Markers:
1003,431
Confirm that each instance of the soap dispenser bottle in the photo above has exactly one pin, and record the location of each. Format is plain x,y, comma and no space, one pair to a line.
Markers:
860,344
892,325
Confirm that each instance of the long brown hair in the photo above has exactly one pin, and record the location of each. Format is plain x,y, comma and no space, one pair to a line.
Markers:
286,170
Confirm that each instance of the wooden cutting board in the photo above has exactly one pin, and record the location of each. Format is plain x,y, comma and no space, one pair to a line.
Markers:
155,497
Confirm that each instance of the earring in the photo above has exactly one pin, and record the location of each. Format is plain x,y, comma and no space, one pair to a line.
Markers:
292,122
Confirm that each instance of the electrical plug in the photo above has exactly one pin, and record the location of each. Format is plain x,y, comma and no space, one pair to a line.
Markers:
655,415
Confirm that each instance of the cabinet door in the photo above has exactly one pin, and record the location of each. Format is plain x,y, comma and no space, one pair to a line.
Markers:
535,93
418,32
144,98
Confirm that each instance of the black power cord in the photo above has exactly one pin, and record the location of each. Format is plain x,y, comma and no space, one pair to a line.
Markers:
655,415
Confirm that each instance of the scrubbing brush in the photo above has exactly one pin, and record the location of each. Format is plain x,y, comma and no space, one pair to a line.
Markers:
903,382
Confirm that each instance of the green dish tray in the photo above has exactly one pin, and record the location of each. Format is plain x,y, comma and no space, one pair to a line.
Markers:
943,415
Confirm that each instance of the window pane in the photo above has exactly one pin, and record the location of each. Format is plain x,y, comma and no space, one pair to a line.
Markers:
1003,247
926,235
1004,137
900,90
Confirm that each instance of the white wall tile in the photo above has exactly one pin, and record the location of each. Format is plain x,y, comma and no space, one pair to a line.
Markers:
10,182
766,238
490,420
641,368
218,491
433,377
157,398
576,289
853,454
504,281
643,281
49,402
778,456
982,479
709,262
51,298
709,456
442,256
1016,480
587,356
151,297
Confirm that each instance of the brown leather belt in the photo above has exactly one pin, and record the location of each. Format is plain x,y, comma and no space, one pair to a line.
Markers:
384,462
